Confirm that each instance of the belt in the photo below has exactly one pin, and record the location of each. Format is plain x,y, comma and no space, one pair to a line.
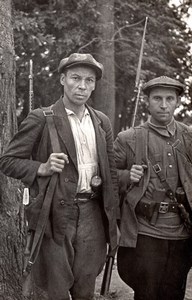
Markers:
146,206
164,207
84,197
149,209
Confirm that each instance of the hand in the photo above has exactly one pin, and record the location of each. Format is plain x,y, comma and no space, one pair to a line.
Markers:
136,172
55,163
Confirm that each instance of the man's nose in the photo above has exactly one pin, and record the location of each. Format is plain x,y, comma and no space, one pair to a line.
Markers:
82,84
164,103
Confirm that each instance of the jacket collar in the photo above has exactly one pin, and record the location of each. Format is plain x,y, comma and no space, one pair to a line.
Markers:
64,130
167,131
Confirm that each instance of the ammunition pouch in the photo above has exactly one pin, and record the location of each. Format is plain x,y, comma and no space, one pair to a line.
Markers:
146,208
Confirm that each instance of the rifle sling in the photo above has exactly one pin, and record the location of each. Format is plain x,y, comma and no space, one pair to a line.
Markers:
158,171
141,149
44,213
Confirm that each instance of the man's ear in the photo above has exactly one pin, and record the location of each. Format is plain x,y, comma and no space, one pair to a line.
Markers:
94,87
62,79
178,100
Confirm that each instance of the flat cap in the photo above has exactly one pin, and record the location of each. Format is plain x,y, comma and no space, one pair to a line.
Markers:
76,59
163,81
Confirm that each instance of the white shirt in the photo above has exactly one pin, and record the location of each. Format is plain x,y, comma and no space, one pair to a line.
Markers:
85,144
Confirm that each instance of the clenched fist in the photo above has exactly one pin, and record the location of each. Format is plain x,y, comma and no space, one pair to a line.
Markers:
55,163
136,172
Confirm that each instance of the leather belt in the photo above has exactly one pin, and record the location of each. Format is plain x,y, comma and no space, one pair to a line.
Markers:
149,209
160,207
84,197
164,207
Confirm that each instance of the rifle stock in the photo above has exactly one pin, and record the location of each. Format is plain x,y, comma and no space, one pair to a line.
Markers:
108,272
27,284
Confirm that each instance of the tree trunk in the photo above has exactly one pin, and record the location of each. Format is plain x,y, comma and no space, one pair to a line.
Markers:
104,96
11,212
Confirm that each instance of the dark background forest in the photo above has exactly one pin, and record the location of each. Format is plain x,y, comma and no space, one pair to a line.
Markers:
48,30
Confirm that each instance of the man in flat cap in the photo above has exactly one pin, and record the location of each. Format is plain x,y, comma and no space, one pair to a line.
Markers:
83,213
154,163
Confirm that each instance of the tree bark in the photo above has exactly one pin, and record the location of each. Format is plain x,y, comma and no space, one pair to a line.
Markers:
104,96
11,212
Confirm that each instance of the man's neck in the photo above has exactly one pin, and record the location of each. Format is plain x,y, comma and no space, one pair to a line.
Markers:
78,110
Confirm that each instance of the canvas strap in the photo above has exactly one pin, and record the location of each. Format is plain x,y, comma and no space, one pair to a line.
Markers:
141,144
44,213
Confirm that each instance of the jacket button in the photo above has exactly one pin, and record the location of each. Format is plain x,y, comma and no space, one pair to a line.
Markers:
62,202
66,179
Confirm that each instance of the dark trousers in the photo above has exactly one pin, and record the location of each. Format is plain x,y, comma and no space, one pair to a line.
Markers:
156,269
71,269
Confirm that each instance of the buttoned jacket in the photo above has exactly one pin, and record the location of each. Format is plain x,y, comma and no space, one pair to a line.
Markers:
126,146
31,146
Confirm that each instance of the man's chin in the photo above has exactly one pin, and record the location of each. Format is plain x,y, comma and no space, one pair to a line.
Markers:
162,121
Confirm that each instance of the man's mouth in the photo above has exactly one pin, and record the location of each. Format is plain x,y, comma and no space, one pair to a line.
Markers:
163,113
80,95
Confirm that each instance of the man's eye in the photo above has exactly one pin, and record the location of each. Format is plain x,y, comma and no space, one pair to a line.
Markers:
157,98
90,80
170,99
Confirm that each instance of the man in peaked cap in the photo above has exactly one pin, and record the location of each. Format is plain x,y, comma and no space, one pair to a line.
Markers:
84,204
77,59
164,81
154,164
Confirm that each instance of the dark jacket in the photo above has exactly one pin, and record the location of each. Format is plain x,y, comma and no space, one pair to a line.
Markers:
125,149
31,146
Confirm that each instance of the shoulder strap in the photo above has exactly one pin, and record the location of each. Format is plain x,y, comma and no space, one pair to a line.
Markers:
44,213
48,113
140,147
183,143
141,144
158,170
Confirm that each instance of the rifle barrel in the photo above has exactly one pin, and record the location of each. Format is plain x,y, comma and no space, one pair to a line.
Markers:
141,55
30,85
137,80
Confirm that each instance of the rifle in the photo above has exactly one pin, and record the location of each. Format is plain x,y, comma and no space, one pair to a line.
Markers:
30,85
26,190
108,272
111,254
27,286
138,83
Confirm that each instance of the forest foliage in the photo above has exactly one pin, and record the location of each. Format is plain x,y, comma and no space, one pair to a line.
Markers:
48,30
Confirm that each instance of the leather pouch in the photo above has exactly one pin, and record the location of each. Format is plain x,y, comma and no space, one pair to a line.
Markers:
146,208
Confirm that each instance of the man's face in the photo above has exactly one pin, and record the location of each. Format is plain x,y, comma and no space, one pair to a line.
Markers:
162,104
78,82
